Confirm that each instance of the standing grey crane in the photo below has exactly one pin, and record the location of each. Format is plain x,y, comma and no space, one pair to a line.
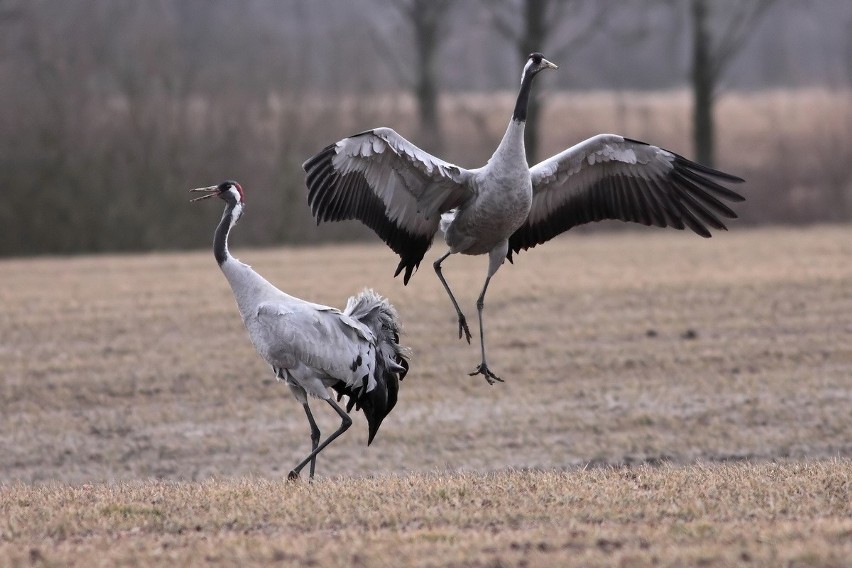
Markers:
311,347
405,194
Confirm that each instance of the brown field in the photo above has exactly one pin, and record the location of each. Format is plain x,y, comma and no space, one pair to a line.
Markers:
139,426
797,514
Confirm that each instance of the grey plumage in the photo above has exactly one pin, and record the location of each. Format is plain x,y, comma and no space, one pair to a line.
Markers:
311,347
406,195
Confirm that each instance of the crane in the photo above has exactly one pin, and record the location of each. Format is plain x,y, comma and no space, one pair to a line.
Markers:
312,348
406,195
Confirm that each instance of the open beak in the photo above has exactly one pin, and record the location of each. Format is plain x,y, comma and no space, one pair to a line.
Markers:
549,64
210,191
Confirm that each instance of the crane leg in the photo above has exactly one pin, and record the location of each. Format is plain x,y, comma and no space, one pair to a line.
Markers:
496,257
483,369
462,320
315,436
345,423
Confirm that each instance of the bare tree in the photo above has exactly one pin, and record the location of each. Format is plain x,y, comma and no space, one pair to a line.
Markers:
839,146
536,31
712,53
429,22
111,107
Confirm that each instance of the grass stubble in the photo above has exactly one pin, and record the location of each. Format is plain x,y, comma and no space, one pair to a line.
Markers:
139,427
769,514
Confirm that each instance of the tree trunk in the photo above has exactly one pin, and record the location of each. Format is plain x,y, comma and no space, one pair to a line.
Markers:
426,22
703,86
535,32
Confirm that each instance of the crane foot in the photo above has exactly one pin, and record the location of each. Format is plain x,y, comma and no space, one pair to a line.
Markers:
483,369
463,328
293,476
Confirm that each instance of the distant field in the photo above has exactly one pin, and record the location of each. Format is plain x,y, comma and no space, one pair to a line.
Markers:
620,348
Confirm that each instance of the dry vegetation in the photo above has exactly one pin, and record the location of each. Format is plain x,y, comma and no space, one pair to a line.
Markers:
617,349
719,515
791,146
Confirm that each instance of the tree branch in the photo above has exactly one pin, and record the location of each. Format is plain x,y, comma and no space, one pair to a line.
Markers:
501,21
742,22
391,54
597,22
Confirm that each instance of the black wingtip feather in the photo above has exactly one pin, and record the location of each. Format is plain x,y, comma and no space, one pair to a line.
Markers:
691,186
318,157
684,168
707,171
689,196
706,217
333,196
409,270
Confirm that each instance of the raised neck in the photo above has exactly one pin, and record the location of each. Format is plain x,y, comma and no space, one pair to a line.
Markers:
520,113
220,237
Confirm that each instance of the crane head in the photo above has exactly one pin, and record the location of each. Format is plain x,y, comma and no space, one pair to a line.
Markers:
228,190
535,63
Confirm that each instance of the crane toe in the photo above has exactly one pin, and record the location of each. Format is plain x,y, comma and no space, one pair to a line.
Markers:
463,329
483,370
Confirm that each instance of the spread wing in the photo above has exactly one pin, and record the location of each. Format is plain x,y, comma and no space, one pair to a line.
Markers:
611,177
390,185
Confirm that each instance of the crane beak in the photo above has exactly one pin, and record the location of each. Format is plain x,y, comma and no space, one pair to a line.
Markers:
210,191
548,64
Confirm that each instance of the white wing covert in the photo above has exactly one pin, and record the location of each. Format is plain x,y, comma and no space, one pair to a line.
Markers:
612,177
389,184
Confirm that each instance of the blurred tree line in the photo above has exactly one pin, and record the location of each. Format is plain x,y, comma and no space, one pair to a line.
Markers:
113,108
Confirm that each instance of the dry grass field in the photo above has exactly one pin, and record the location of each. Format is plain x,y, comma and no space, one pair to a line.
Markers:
718,515
137,424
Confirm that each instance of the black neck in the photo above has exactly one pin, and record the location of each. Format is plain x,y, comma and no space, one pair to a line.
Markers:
220,237
520,113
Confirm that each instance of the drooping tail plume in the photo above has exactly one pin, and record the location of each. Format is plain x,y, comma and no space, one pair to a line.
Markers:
382,319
